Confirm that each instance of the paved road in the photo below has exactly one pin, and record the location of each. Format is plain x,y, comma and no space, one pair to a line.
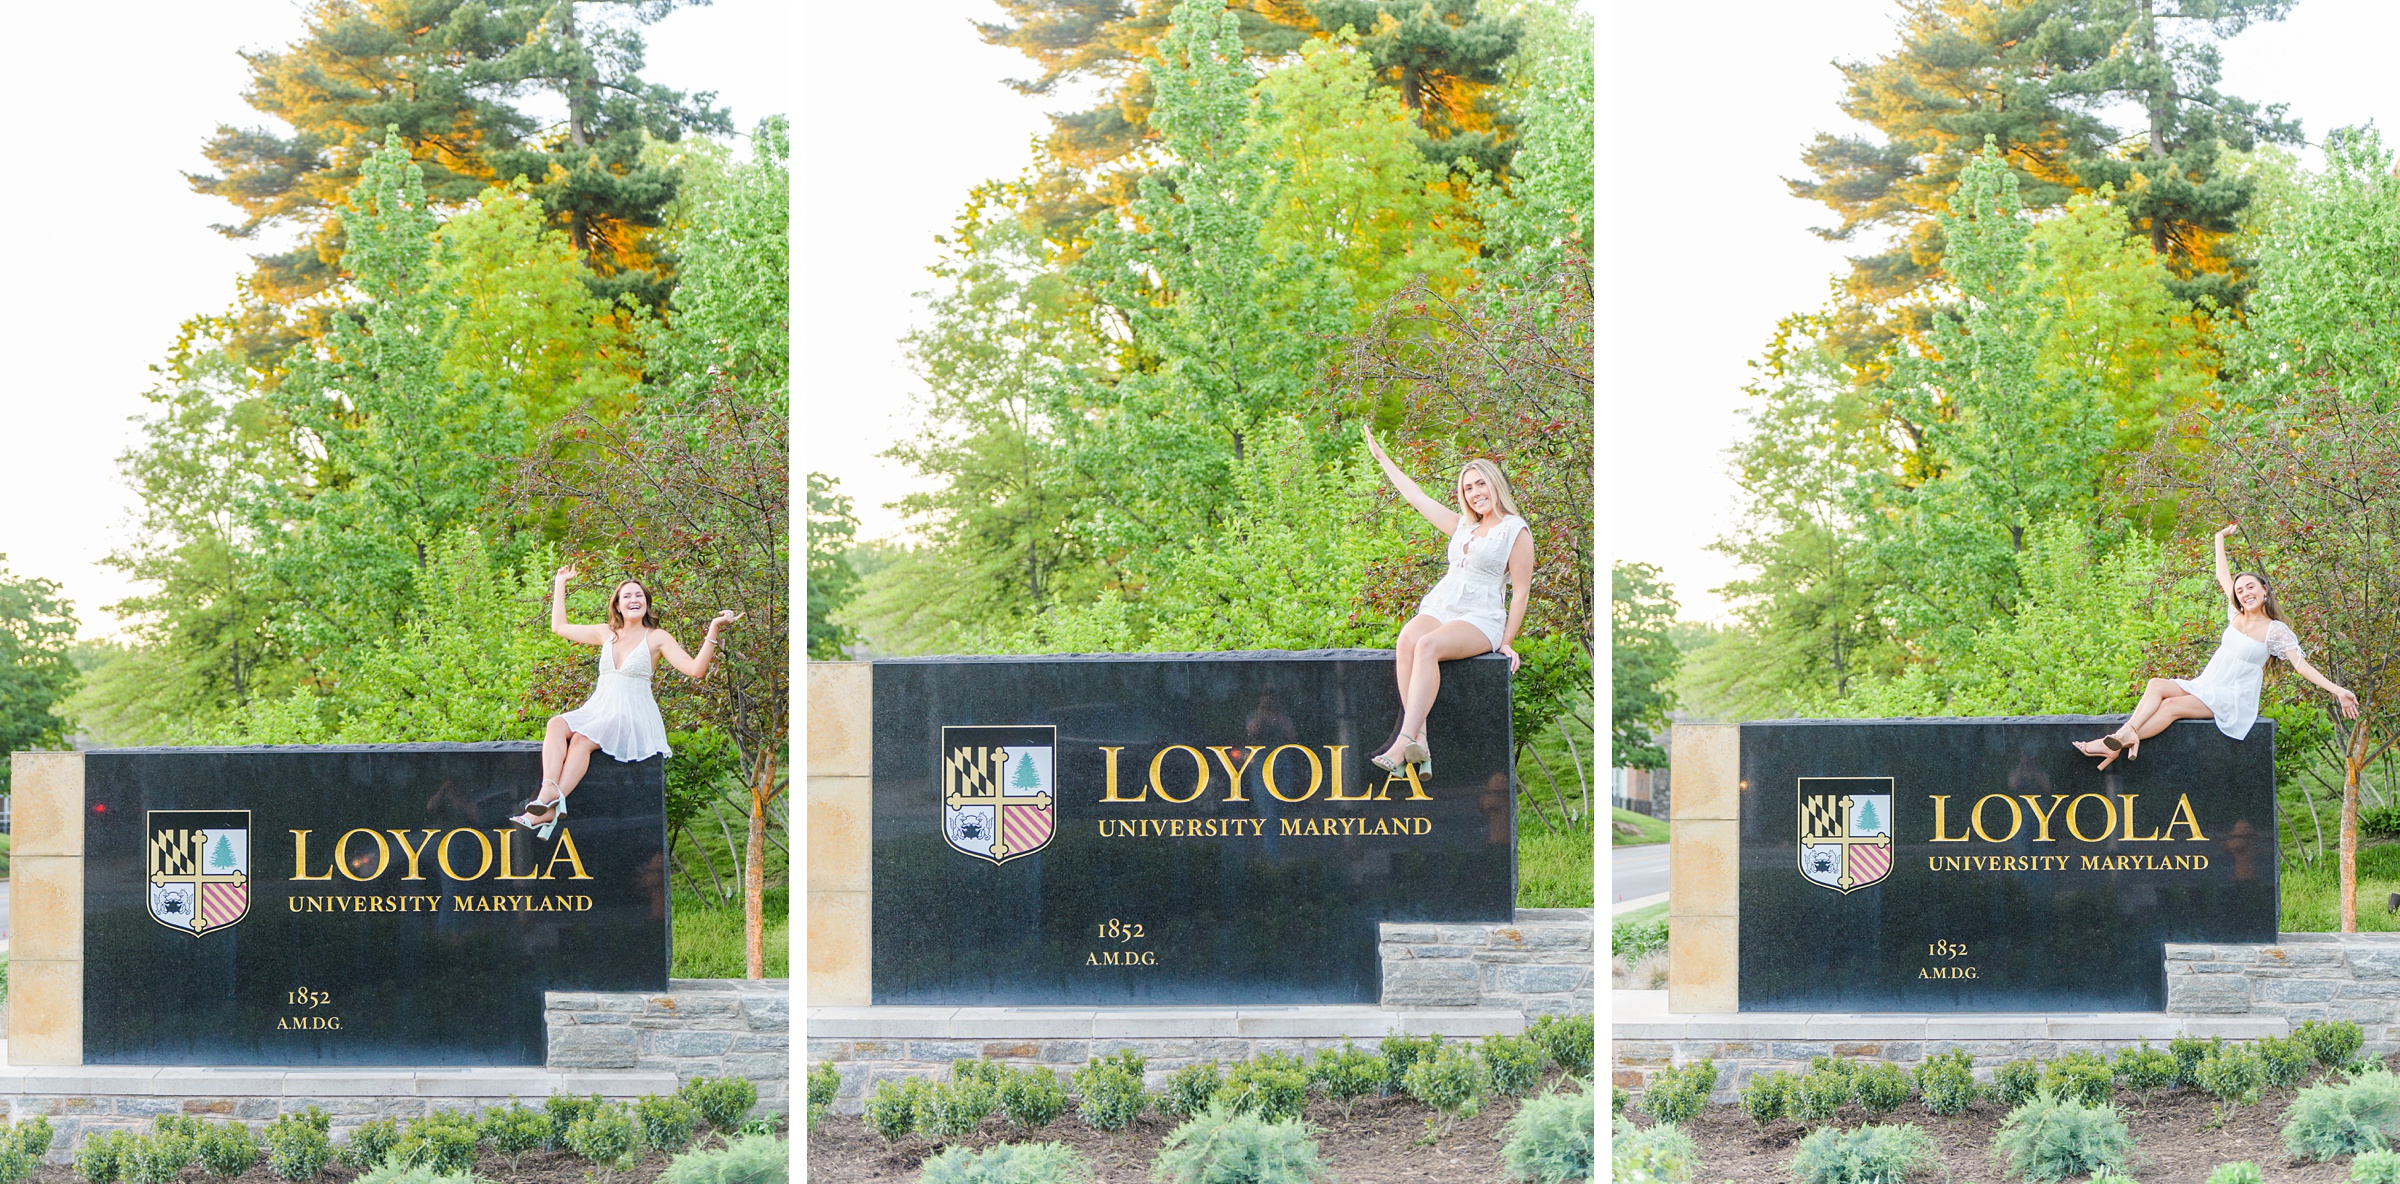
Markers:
1635,872
3,910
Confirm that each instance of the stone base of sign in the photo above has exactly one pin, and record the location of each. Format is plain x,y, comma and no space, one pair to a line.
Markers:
1644,1036
2303,976
841,713
1539,965
702,1027
871,1044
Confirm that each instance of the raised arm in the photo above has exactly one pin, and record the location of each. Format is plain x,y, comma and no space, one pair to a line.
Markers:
2340,693
1520,586
579,634
2225,568
1444,518
695,666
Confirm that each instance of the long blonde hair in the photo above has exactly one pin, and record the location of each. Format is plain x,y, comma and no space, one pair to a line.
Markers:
1501,492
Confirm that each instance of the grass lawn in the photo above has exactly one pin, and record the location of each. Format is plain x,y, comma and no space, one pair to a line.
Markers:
1653,830
708,936
2312,894
1554,867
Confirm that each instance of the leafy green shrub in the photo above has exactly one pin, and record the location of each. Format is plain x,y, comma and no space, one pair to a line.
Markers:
1660,1154
1568,1039
1189,1089
1127,1060
1673,1094
2083,1076
2331,1044
892,1107
1220,1145
2232,1074
1108,1098
30,1138
1880,1087
1271,1085
2050,1138
2282,1060
368,1144
2331,1119
824,1083
979,1069
2243,1172
1550,1138
422,1173
953,1109
1345,1075
1631,942
515,1129
444,1141
668,1123
1868,1155
2147,1070
1946,1081
609,1136
98,1160
1513,1063
1451,1082
1768,1096
2189,1051
1008,1163
1033,1097
1821,1092
299,1144
2373,1167
227,1150
563,1110
748,1159
722,1102
2014,1083
1399,1052
154,1159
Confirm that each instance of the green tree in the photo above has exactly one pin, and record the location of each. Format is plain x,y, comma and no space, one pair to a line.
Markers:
1027,777
528,326
222,854
1544,212
1866,819
1642,661
1442,59
730,320
832,582
36,630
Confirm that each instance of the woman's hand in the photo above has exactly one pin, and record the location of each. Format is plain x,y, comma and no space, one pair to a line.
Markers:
2348,701
1513,660
1373,448
564,574
2230,528
722,619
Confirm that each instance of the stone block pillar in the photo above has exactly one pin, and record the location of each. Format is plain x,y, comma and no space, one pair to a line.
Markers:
841,831
45,996
1704,855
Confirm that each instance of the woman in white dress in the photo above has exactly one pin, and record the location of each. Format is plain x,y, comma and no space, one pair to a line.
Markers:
2227,689
621,718
1464,615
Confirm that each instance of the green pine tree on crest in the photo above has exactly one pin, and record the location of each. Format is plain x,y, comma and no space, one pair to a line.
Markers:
222,854
1866,818
1027,776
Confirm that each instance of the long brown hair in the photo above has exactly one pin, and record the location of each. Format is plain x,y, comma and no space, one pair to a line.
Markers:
616,620
2266,604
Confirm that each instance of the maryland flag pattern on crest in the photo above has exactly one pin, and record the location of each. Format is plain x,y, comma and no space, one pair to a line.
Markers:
1845,831
199,878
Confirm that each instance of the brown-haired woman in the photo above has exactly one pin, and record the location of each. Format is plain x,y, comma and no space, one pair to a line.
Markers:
621,718
2227,689
1463,616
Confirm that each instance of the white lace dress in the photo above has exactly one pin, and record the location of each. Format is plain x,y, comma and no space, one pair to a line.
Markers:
621,715
1471,589
2229,684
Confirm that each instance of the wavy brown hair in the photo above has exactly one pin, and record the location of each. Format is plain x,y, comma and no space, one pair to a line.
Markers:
616,620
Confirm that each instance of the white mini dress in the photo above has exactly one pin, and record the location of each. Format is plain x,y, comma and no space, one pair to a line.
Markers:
1471,589
2230,683
621,716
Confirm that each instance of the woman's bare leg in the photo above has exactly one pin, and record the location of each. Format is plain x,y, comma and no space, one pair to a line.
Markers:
554,748
1458,639
1404,665
579,758
2181,705
2160,692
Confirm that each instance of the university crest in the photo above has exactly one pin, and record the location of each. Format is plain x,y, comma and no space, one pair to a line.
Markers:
999,792
199,868
1845,831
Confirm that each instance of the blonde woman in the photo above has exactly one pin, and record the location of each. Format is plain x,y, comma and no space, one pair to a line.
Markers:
1464,615
621,718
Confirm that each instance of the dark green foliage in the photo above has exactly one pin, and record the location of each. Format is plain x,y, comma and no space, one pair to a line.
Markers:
892,1107
2372,1167
1271,1085
2337,1118
299,1144
1189,1089
1868,1155
1033,1097
1675,1094
152,1159
100,1160
1452,1082
1946,1081
563,1110
2013,1084
2049,1139
443,1141
1127,1060
1344,1075
824,1082
2283,1060
2147,1070
227,1150
953,1109
2189,1052
2331,1044
2232,1074
1399,1052
1631,942
609,1136
1513,1063
667,1123
2081,1075
1880,1087
1550,1138
515,1129
748,1159
1658,1154
1568,1038
722,1102
1768,1096
1008,1163
369,1143
1108,1097
978,1069
1219,1145
1821,1092
2243,1172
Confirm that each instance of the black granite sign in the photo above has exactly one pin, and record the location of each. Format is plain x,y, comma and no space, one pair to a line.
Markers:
1174,828
1985,865
366,905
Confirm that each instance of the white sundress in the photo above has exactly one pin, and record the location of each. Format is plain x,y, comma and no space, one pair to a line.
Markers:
2229,684
621,716
1471,589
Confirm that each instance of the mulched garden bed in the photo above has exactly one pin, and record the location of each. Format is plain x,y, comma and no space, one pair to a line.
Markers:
2173,1140
538,1167
1381,1142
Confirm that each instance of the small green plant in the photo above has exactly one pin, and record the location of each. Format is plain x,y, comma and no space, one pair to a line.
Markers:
30,1139
2373,1167
1108,1098
2336,1118
153,1159
1869,1155
514,1130
1675,1095
2282,1060
1128,1060
2231,1074
609,1136
1008,1163
444,1141
1399,1052
1513,1063
395,1172
1033,1097
1345,1075
1189,1090
1271,1085
2189,1051
299,1144
1550,1138
1220,1145
2334,1044
368,1144
979,1069
2243,1172
1880,1087
563,1110
824,1083
723,1102
1821,1092
1768,1096
1568,1040
748,1159
2050,1138
1946,1082
1451,1082
953,1109
227,1150
100,1159
892,1107
668,1123
2014,1083
1660,1154
2082,1075
2147,1070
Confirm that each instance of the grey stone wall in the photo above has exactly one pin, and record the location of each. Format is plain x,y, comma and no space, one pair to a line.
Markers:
1541,964
2303,976
702,1027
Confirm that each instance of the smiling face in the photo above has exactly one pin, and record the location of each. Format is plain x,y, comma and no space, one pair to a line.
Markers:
1475,492
2249,592
631,603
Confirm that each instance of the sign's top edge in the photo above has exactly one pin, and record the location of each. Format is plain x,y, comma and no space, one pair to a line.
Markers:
456,746
1216,656
2079,720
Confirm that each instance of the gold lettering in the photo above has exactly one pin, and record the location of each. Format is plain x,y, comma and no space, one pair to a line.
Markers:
1198,761
442,854
1941,803
300,858
1316,773
1234,773
341,858
413,852
2127,834
2073,807
1416,791
2016,817
566,851
508,846
1335,794
2185,817
1110,794
2041,817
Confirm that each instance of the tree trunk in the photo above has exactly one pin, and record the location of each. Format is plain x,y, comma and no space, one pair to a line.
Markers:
2350,764
754,876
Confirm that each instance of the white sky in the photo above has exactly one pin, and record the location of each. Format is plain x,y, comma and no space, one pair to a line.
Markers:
1715,104
113,250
